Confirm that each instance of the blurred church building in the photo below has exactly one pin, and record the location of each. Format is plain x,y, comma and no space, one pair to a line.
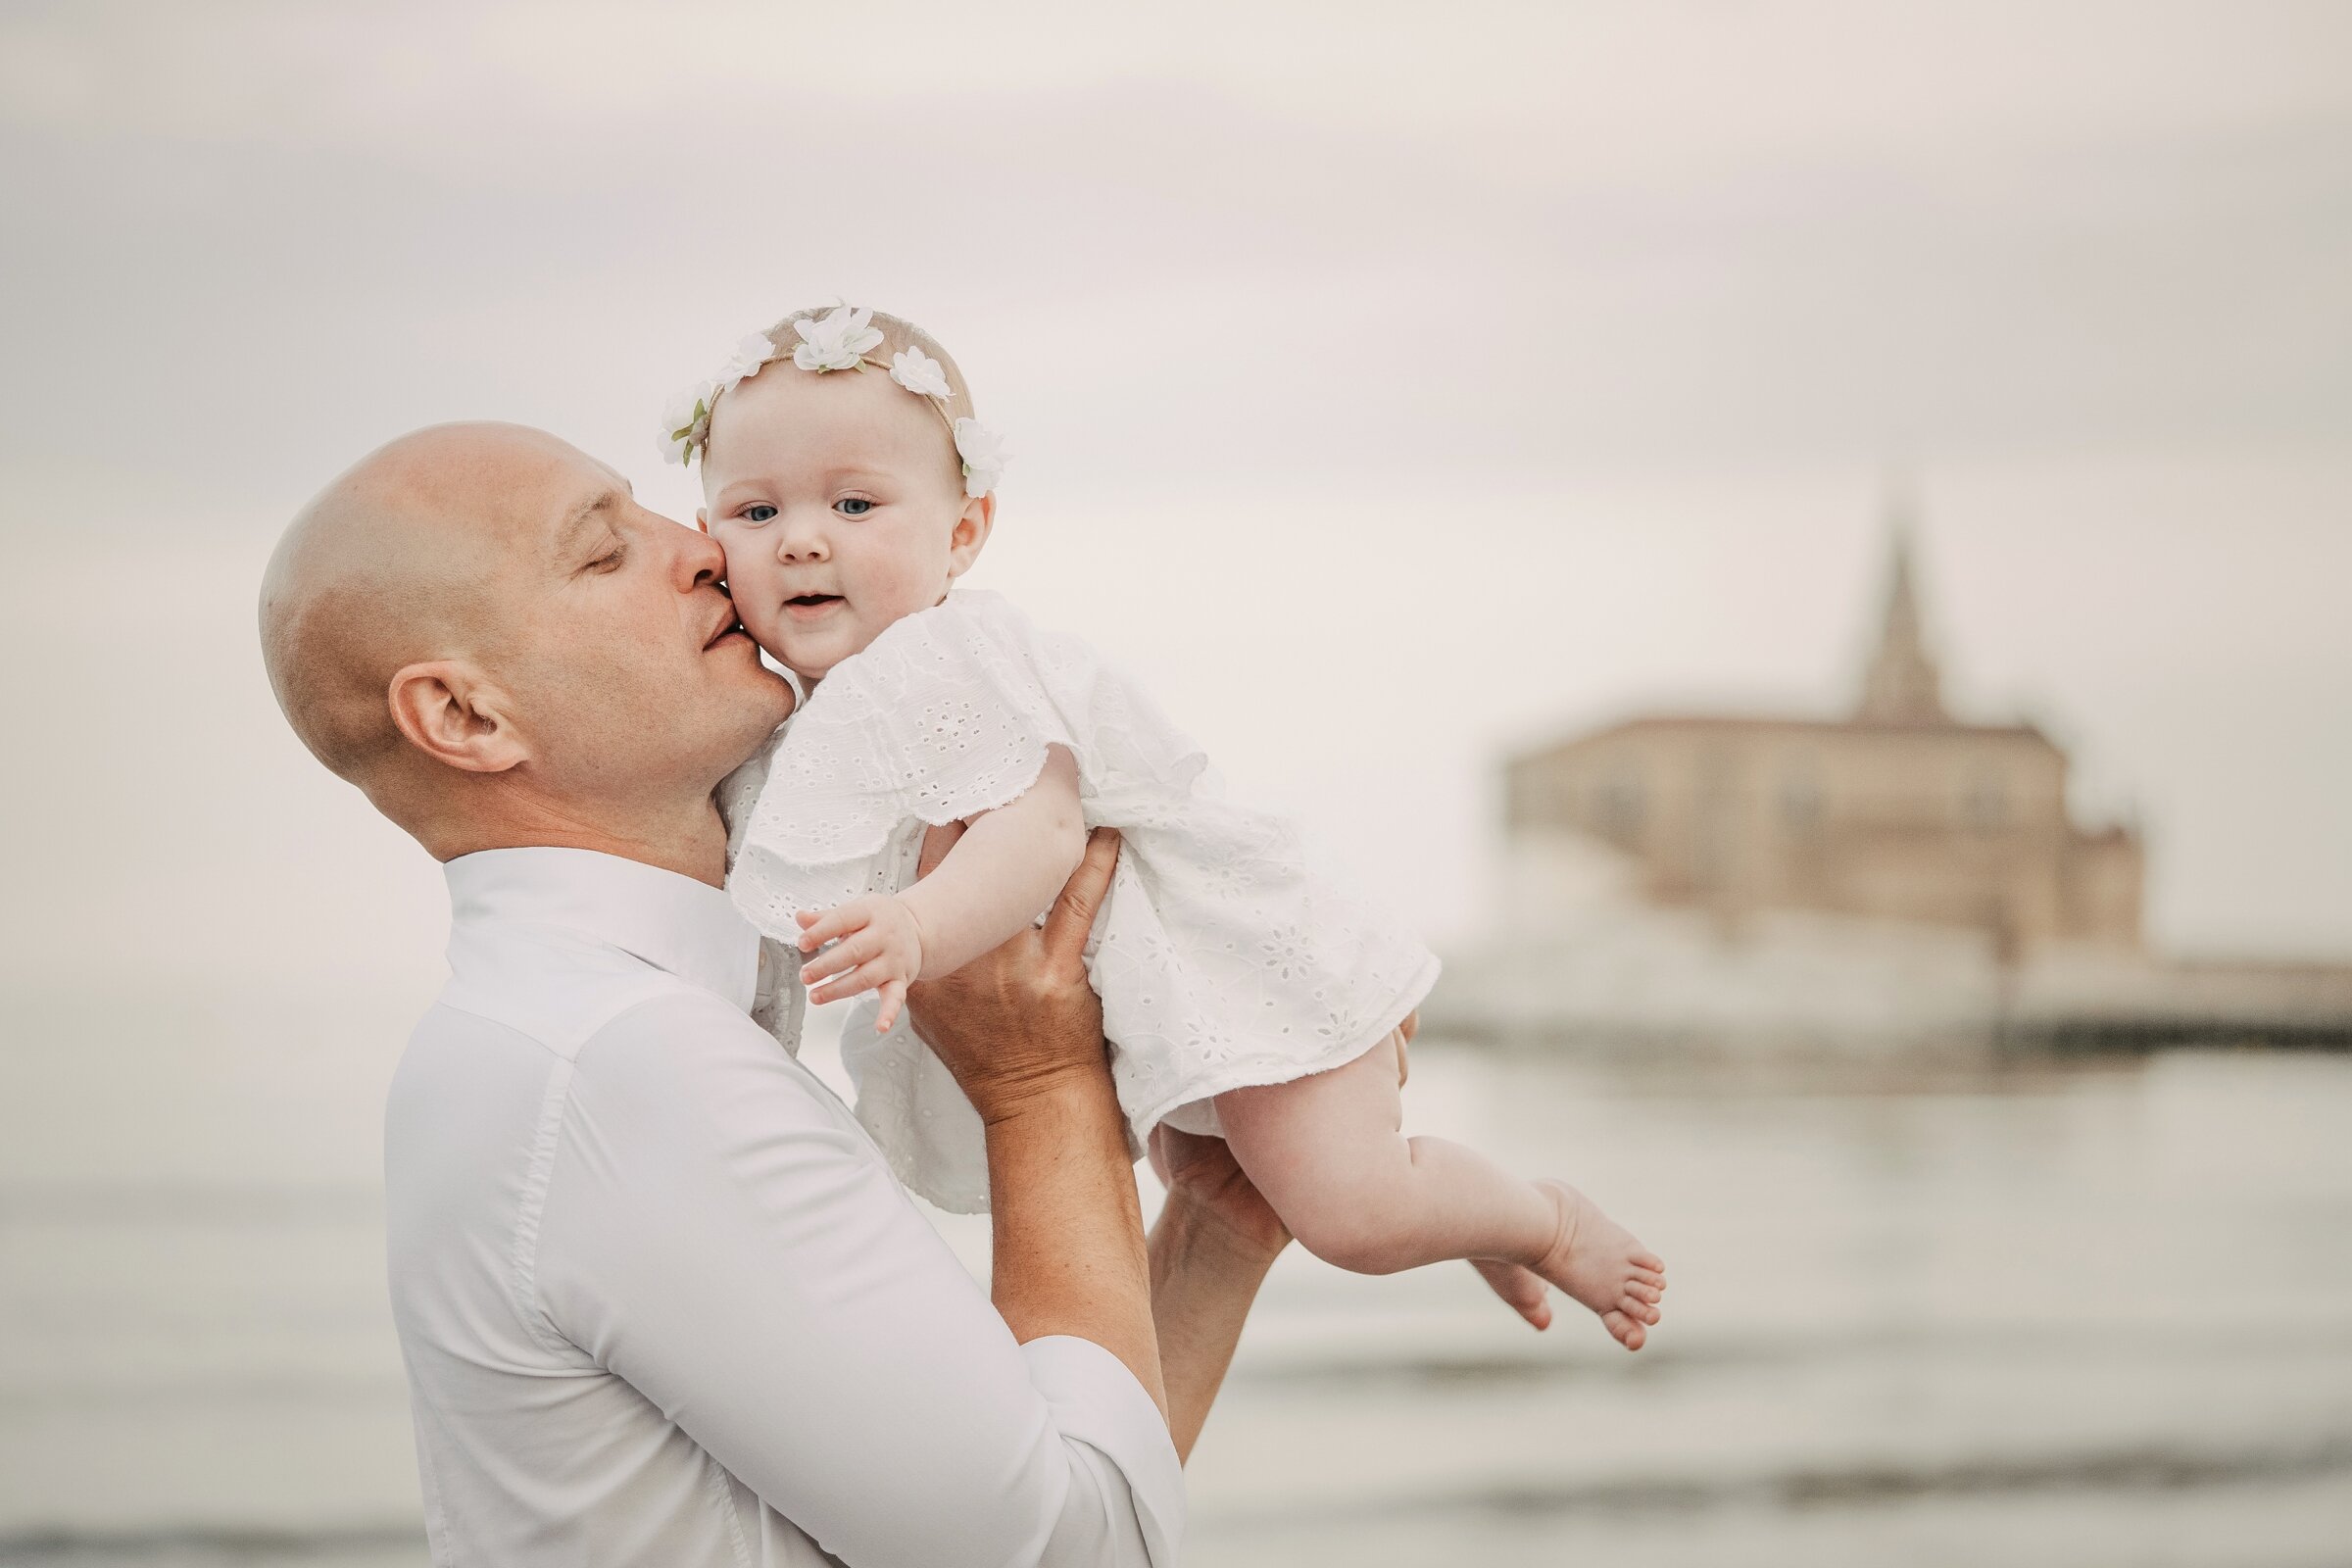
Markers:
1897,879
1896,811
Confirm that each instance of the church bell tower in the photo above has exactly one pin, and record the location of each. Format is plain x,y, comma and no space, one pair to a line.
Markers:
1900,685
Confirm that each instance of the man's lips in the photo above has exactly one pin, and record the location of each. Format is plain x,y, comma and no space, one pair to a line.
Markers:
729,627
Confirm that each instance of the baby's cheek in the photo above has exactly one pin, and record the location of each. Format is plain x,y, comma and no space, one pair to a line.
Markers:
913,584
754,601
766,632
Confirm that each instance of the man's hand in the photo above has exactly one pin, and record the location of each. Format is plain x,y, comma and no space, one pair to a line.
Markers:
1024,1018
877,944
1202,1172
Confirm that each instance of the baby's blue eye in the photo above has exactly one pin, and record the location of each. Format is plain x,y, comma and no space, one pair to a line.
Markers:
758,512
852,506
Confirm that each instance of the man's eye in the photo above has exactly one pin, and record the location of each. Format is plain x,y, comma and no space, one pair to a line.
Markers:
852,506
758,512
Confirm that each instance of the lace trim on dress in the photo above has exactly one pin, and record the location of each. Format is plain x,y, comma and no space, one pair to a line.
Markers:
936,720
932,720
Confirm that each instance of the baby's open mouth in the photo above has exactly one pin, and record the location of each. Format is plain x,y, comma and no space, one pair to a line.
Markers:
812,601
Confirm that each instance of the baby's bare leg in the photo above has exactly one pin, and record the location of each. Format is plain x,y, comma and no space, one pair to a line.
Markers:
1327,1153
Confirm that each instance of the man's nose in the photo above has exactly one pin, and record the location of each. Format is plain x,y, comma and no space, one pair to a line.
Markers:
700,561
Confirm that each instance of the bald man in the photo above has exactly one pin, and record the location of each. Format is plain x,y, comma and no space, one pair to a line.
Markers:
660,1301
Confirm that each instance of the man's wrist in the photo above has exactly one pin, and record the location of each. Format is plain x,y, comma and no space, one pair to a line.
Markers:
1199,1233
1058,1095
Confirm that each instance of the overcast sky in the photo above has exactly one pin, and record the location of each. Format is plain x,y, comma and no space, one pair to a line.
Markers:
1390,385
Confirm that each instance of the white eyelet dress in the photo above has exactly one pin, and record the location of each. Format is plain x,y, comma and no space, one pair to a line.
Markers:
1223,959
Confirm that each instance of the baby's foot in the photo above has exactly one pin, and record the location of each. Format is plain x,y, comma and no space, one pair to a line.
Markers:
1522,1289
1598,1261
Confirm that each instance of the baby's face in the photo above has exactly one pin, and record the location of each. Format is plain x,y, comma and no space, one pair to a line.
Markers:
838,500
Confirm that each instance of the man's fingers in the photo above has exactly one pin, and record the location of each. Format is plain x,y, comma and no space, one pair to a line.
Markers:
937,842
1073,913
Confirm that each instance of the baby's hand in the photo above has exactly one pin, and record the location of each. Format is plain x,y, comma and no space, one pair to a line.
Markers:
876,946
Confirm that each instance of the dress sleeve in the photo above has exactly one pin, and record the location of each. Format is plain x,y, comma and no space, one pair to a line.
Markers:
947,715
720,1233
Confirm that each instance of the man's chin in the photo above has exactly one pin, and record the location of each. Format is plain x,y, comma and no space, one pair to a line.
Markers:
778,692
761,691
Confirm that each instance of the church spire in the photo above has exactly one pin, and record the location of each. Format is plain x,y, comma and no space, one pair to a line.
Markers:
1900,685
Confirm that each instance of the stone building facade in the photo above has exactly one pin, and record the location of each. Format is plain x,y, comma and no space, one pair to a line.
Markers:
1896,811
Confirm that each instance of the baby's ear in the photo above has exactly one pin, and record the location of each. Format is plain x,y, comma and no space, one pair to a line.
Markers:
971,533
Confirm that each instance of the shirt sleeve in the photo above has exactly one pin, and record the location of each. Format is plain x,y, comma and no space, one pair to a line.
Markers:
720,1233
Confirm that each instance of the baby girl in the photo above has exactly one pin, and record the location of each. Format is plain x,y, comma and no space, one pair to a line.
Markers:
1244,993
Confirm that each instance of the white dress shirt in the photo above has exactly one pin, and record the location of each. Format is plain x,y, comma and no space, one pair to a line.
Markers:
663,1303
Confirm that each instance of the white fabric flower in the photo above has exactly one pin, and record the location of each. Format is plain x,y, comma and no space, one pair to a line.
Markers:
752,350
838,341
679,418
918,372
983,456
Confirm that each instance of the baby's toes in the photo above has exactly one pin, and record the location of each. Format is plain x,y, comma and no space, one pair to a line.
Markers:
1646,1294
1639,1311
1624,1330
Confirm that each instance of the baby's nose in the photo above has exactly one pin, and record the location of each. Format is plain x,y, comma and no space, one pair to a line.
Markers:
802,544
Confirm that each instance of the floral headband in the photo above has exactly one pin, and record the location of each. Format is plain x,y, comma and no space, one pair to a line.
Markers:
842,340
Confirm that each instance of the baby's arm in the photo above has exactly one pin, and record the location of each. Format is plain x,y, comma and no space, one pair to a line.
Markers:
1003,872
1007,866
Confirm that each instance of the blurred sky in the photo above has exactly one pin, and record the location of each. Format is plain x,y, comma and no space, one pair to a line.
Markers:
1390,385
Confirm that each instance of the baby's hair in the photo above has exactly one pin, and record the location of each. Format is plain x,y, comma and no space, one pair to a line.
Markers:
851,341
898,335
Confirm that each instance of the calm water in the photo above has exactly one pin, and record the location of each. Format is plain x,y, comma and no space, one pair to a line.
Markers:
2083,1315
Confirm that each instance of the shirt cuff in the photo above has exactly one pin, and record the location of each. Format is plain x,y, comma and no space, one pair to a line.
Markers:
1097,1402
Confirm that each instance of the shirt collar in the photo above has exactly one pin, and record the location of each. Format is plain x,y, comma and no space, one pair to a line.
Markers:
689,928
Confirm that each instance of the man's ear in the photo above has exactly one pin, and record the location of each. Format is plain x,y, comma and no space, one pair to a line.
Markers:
971,535
447,711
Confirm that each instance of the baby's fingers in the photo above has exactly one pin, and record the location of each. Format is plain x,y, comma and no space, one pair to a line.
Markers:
894,996
847,954
866,977
838,921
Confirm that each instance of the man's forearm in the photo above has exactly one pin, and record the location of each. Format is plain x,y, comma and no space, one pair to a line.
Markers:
1203,1279
1022,1032
1069,1254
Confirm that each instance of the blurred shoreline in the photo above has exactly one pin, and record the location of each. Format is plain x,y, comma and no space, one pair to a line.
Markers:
1913,1306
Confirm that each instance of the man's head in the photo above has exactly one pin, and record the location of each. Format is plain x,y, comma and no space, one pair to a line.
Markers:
481,628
